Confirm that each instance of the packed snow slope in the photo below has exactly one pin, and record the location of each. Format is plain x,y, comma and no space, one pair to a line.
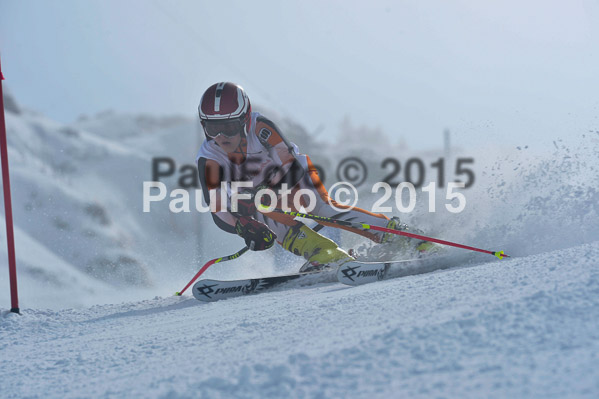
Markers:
525,327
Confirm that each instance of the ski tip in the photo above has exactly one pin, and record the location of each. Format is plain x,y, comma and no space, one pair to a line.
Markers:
177,293
500,255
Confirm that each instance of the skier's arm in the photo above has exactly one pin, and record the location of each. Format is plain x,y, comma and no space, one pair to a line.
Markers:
291,170
257,235
210,174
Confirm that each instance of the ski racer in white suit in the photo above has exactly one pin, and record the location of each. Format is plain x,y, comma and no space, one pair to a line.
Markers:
242,145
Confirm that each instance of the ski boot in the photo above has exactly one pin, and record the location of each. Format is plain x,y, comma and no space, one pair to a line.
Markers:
394,246
319,251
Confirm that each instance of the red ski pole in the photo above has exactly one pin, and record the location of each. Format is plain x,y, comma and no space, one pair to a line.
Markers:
359,225
210,263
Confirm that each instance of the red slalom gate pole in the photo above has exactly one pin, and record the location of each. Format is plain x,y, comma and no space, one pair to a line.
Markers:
10,237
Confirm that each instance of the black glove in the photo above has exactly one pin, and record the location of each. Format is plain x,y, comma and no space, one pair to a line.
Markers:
257,236
246,207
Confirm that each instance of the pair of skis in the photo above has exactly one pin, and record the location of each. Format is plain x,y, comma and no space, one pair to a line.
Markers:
350,273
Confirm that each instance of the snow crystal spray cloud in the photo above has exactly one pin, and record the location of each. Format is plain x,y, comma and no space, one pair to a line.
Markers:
531,202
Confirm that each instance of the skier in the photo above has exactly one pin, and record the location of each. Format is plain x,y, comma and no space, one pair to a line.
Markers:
242,145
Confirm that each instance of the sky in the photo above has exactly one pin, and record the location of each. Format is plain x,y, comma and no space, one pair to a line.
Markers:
493,72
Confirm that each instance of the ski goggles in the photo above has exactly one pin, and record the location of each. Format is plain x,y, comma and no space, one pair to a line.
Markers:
228,128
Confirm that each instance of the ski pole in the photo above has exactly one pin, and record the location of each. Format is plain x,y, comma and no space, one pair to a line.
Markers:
210,263
266,209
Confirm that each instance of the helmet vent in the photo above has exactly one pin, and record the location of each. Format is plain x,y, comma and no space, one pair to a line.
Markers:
217,95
